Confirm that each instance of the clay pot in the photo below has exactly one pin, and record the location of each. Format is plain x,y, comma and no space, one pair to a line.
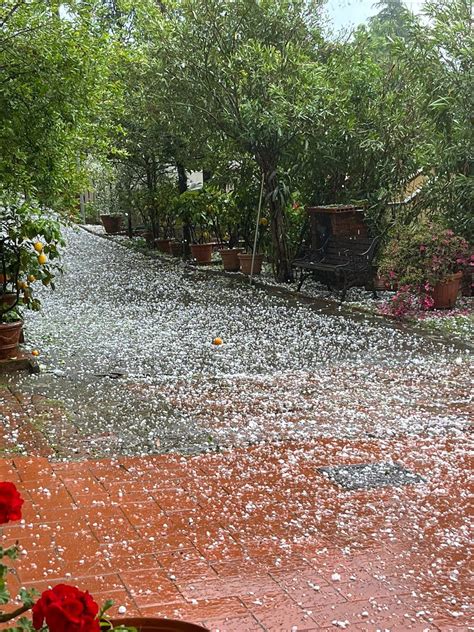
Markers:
202,253
446,292
10,338
9,299
176,248
230,259
467,284
151,624
246,263
384,284
111,223
163,245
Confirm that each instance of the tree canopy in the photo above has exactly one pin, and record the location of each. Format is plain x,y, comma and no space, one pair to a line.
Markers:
246,91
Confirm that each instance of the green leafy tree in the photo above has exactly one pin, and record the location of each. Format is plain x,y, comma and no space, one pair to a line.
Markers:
446,70
246,69
56,94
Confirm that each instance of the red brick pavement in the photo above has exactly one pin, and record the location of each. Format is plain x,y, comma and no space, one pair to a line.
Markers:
255,539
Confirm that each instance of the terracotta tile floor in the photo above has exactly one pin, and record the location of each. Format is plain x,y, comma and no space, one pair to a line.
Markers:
256,539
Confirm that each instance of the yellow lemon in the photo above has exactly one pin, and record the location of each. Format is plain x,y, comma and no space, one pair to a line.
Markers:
263,221
42,259
31,278
217,341
38,246
35,352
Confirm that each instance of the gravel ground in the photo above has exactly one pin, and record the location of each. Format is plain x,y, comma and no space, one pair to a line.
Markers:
126,348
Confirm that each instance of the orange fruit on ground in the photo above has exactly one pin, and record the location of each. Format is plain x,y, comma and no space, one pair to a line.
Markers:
22,285
42,259
38,246
35,352
217,341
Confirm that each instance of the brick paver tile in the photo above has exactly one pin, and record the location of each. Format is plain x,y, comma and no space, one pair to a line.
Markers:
278,612
260,537
151,587
239,624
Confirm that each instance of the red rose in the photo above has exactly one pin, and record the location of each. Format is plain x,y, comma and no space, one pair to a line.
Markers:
10,503
66,609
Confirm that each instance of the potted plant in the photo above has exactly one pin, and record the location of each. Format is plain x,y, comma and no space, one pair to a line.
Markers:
251,263
29,254
62,608
112,222
198,212
428,258
229,221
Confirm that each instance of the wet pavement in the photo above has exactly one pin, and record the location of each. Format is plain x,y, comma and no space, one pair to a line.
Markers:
257,539
126,344
238,523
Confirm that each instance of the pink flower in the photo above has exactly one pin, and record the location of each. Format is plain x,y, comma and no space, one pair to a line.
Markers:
422,248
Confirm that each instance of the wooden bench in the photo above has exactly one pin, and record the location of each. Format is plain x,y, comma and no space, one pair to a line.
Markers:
341,263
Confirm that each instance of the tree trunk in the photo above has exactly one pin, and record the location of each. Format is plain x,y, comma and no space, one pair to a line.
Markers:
151,210
278,224
182,188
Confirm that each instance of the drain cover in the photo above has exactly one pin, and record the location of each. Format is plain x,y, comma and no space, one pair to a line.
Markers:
370,475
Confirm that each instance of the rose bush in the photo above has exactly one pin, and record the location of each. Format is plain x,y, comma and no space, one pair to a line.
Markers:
10,503
66,609
62,608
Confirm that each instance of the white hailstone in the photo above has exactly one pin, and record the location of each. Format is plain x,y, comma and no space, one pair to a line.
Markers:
122,609
336,577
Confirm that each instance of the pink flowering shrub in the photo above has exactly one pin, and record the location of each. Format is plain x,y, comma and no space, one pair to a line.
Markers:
408,302
424,253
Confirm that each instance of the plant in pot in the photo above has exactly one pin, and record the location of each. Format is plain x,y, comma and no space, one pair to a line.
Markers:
64,607
197,210
427,259
112,222
164,223
251,262
228,230
29,254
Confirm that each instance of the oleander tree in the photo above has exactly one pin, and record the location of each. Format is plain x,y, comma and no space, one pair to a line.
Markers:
248,70
447,71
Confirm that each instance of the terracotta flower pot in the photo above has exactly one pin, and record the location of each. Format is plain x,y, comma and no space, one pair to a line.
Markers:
10,338
230,259
384,284
202,252
467,284
176,248
111,223
158,625
246,263
9,299
446,292
163,245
